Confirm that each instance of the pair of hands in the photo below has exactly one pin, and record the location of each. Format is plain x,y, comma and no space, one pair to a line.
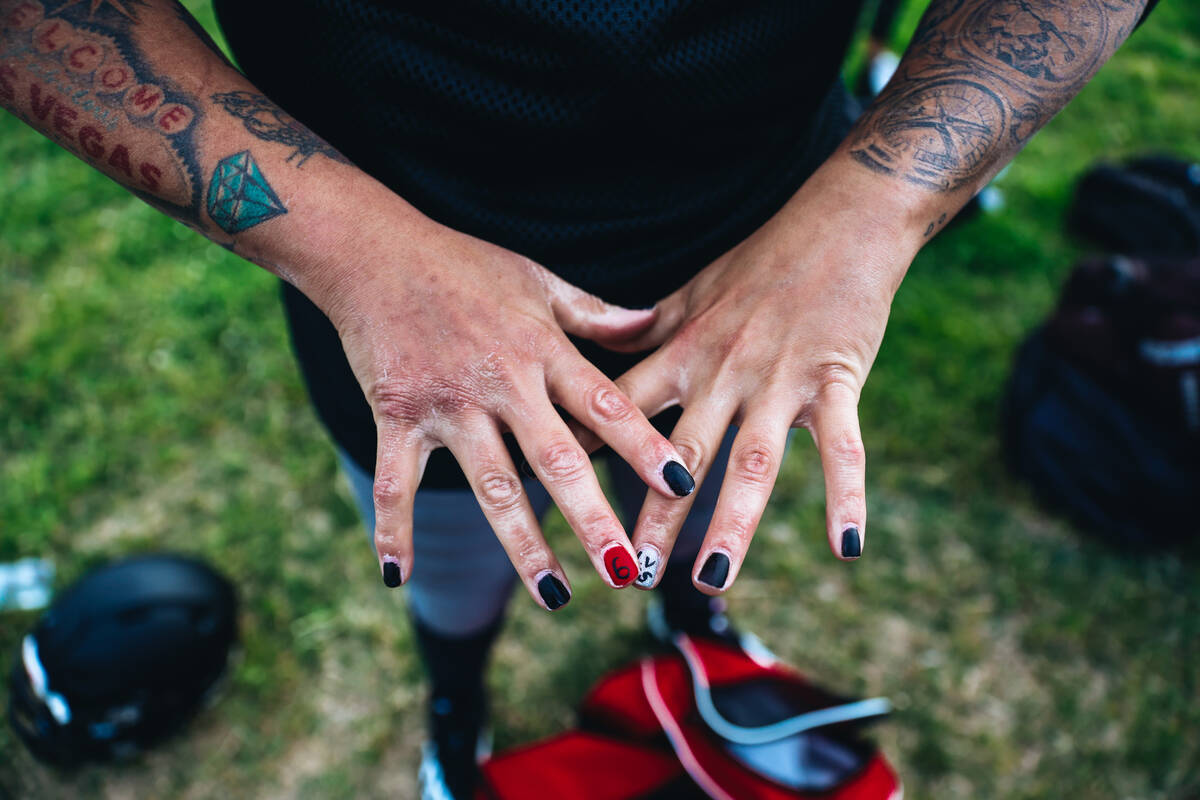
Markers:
466,340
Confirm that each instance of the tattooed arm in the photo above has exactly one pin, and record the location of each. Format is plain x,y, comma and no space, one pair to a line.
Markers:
452,339
193,138
781,331
979,79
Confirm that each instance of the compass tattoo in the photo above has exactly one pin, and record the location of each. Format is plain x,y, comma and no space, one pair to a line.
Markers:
980,77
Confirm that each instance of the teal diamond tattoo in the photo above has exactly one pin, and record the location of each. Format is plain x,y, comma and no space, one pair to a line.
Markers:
239,197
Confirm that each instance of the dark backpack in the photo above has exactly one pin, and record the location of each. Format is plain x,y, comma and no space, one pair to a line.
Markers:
1102,415
1148,207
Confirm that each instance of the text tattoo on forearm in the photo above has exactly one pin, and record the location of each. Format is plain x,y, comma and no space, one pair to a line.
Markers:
980,77
76,73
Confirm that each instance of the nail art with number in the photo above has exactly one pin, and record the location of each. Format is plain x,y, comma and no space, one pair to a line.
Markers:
649,561
619,565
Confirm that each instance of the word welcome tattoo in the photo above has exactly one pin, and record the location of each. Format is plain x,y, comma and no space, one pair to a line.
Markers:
980,77
271,123
75,72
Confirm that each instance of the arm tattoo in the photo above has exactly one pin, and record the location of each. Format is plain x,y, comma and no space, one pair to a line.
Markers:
239,196
980,77
75,71
271,123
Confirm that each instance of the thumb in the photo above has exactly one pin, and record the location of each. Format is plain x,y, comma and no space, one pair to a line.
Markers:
585,315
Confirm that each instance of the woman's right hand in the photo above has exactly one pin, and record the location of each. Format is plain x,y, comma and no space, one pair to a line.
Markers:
455,341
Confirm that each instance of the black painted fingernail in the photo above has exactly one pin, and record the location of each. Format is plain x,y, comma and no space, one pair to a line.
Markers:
678,478
553,593
391,574
715,570
851,544
527,470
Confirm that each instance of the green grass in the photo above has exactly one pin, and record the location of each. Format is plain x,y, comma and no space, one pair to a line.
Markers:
149,401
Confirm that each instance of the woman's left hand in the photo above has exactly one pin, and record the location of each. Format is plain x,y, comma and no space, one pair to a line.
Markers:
779,332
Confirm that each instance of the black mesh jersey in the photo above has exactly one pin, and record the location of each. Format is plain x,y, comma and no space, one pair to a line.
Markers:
623,144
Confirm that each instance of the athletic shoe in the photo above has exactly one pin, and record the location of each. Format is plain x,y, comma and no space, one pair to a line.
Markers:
698,615
450,760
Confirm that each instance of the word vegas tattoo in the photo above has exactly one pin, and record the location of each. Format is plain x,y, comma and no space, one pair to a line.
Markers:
980,77
74,71
271,123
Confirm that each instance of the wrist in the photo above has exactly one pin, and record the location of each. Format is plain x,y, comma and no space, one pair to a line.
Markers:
333,248
892,215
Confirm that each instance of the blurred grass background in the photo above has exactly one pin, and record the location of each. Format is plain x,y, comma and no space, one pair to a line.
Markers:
148,401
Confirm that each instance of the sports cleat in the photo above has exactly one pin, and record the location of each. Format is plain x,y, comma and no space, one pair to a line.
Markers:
450,760
704,619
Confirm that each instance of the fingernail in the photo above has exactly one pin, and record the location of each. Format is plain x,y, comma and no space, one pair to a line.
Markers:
553,593
391,574
619,565
715,570
851,543
527,470
648,559
678,478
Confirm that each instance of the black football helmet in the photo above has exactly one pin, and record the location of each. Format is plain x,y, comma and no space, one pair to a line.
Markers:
122,659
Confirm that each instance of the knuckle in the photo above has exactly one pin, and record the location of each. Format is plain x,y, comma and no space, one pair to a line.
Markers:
412,402
598,524
397,401
754,461
693,453
739,524
661,521
854,499
387,491
848,449
499,490
561,460
836,379
526,548
387,543
608,405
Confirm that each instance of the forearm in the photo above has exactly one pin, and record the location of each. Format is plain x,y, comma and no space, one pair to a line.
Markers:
132,89
979,79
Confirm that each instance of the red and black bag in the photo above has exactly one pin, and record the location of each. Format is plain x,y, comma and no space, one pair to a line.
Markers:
711,721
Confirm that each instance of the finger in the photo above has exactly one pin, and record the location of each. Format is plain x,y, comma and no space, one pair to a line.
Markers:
652,384
566,471
670,313
589,441
697,437
592,399
401,453
586,315
479,448
835,430
754,463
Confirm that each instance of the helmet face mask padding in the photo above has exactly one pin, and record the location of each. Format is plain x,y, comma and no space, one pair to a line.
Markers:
126,656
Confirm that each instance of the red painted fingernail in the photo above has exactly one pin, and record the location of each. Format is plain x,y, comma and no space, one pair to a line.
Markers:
620,565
